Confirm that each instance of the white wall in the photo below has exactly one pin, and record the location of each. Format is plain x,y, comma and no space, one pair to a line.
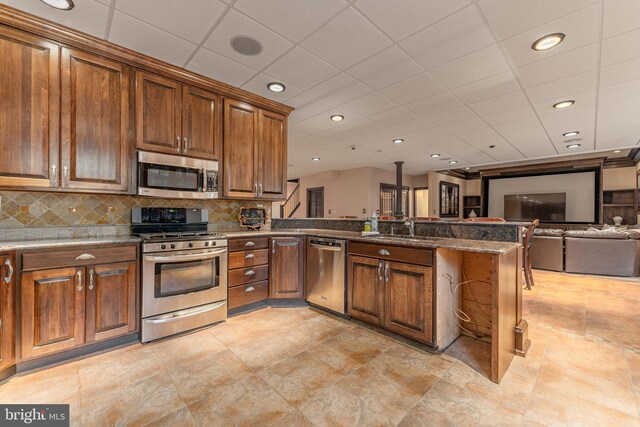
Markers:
580,189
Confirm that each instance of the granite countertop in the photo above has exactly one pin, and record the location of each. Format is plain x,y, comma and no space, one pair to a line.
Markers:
417,242
13,245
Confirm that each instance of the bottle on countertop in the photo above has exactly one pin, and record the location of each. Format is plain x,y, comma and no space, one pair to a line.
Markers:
374,222
367,225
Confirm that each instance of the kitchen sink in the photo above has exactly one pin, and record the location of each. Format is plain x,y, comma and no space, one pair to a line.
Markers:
402,237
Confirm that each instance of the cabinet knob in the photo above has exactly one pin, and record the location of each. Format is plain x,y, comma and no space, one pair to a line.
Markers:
249,256
249,244
249,289
384,252
249,273
7,262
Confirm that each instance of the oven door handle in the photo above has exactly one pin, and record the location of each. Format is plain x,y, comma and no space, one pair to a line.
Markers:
200,256
183,314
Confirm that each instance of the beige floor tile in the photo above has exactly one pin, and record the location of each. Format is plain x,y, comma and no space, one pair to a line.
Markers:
309,332
264,352
474,353
180,418
186,348
352,403
246,401
633,364
614,319
625,289
294,419
59,384
561,309
411,357
299,377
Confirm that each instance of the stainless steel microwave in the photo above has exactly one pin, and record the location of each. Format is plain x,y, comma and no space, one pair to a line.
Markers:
163,175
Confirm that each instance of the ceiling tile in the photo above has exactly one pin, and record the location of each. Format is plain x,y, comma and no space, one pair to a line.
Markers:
301,69
306,105
471,68
171,16
619,91
294,19
621,48
500,103
562,88
574,113
346,39
451,38
234,24
472,124
582,99
258,85
340,89
620,16
434,104
580,27
516,125
394,116
88,16
415,125
405,17
218,67
371,104
500,84
385,68
451,116
560,66
512,115
620,72
507,18
142,37
413,88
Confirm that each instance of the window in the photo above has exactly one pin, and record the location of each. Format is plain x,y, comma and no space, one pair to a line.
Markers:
388,200
315,202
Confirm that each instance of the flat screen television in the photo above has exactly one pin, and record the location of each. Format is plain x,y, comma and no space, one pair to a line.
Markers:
547,207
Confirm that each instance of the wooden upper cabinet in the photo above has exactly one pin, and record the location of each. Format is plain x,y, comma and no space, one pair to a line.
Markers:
7,310
201,123
240,163
111,300
365,296
286,267
52,311
408,300
95,117
272,156
29,112
158,114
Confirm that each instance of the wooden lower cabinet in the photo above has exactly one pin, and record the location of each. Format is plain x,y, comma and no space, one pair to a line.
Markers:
68,306
286,272
248,277
7,311
394,295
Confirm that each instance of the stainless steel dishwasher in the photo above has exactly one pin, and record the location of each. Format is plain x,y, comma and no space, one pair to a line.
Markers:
326,265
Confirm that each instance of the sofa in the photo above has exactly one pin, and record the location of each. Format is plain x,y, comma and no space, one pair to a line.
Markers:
547,249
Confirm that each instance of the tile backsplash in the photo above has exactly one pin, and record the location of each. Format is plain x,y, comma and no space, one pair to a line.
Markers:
35,210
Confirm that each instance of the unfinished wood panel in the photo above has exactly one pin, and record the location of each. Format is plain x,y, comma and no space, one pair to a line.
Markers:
448,275
504,317
480,271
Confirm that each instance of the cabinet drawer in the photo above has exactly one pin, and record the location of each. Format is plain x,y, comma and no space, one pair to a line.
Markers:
77,257
247,294
248,275
393,253
248,258
244,244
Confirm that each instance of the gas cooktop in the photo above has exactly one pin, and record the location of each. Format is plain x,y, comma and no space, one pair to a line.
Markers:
188,235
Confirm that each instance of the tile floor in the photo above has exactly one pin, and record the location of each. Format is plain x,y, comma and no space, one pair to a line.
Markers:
297,367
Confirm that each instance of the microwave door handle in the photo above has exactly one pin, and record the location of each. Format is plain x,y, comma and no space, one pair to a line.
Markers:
200,256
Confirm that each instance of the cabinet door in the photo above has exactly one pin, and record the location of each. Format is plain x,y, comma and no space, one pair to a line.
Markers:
158,114
201,124
95,122
286,267
52,311
408,300
240,134
29,112
7,311
111,300
272,156
365,289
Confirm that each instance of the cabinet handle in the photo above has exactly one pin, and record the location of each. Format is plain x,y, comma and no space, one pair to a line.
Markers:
273,246
249,289
84,257
91,279
178,144
79,275
185,147
249,256
384,252
249,244
65,174
53,178
10,268
380,270
386,273
249,273
260,189
255,186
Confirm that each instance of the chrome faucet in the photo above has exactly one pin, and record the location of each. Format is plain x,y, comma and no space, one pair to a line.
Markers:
409,222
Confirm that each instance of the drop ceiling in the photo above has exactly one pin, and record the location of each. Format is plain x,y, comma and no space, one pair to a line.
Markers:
453,77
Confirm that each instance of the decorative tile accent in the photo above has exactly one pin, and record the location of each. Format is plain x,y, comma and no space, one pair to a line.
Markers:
42,210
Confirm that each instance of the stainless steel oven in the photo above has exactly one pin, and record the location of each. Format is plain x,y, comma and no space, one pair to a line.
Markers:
163,175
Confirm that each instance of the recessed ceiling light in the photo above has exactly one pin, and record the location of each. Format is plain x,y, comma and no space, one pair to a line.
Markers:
435,155
467,168
398,141
60,4
276,87
573,146
315,159
453,162
572,133
337,118
564,104
617,151
246,45
548,41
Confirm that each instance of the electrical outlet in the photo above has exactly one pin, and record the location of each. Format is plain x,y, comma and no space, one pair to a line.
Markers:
364,211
